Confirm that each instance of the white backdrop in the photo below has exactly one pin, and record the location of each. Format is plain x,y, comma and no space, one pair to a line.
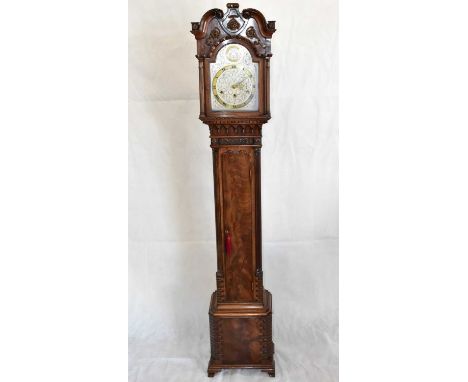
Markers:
172,260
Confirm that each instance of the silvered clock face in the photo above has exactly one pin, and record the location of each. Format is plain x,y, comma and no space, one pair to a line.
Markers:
234,80
233,86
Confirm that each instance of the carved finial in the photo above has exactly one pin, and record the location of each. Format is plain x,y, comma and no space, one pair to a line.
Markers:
233,5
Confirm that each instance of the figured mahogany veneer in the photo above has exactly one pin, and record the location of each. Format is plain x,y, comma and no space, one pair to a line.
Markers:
241,336
241,309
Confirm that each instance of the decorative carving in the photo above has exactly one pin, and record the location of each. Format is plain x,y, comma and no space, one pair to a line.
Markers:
220,287
213,338
233,24
252,141
265,328
219,14
266,28
220,339
236,141
252,34
212,38
261,50
201,28
230,25
259,286
216,338
234,129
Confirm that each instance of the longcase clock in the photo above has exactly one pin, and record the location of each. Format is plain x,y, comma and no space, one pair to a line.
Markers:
233,52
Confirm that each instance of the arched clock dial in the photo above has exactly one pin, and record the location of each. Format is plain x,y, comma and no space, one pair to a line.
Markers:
234,80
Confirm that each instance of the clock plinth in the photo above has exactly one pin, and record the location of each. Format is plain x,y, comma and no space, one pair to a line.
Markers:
233,50
241,336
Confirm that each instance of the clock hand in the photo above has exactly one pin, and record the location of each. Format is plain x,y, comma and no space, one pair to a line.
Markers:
236,85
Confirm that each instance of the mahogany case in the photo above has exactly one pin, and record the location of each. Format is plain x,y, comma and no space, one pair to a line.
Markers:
241,309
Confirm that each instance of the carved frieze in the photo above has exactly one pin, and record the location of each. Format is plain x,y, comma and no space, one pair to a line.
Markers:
251,141
235,130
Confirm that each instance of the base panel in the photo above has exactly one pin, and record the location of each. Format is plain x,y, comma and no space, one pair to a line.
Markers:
241,336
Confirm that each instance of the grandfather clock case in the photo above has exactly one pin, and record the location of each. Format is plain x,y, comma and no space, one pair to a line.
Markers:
233,52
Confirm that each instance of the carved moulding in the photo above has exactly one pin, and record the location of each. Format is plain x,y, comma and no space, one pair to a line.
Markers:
261,47
234,126
199,29
259,286
233,25
220,286
236,130
247,141
267,28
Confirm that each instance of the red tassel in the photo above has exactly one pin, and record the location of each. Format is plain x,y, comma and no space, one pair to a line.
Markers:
228,243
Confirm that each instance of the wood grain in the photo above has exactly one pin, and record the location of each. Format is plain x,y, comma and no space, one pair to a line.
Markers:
237,206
